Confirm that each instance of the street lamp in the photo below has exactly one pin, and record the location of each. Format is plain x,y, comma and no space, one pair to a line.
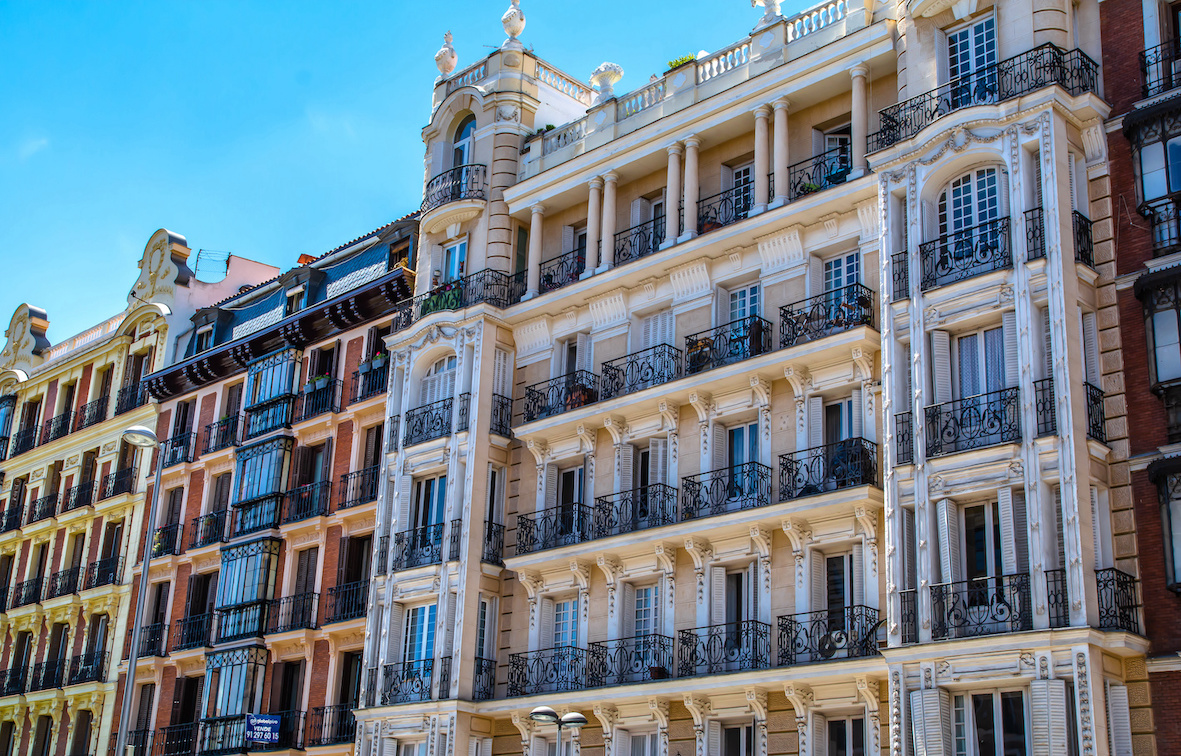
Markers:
572,721
144,438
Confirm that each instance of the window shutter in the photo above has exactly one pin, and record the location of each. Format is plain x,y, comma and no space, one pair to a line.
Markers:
221,492
448,387
648,332
546,634
1061,535
815,275
819,735
1047,699
815,421
1008,533
1021,531
629,611
176,499
930,718
858,576
501,374
449,628
567,239
1091,348
621,744
858,415
1047,341
473,747
752,589
299,466
1119,720
666,332
582,358
949,540
405,495
627,460
717,594
941,366
910,571
819,581
538,746
372,442
719,450
1012,361
551,486
907,380
1097,529
641,211
658,460
713,736
326,463
721,307
1070,170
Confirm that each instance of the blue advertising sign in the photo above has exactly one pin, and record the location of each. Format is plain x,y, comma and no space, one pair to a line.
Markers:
263,728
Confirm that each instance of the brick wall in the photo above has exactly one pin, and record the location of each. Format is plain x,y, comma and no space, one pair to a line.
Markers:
342,454
1122,25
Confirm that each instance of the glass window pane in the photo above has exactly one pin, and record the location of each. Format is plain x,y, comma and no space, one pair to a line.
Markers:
1013,723
1153,181
1167,345
1173,151
982,713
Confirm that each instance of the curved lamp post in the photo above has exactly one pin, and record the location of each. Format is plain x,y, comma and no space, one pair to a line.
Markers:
570,721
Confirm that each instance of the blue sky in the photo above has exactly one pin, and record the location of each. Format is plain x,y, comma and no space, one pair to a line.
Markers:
265,129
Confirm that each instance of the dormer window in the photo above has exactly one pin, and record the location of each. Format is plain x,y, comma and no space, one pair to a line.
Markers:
203,340
296,300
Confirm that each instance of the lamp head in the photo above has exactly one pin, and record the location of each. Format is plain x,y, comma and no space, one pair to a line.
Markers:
573,719
544,715
138,435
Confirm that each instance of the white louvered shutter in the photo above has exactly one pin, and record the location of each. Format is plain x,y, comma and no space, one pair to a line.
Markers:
819,581
447,389
627,464
1070,163
567,239
858,415
930,717
486,747
628,611
647,333
819,735
717,595
397,618
910,570
405,498
641,210
621,744
1008,539
551,486
907,380
1021,531
941,366
815,421
1047,699
713,737
752,594
546,626
1012,360
666,328
582,359
1058,529
473,747
1119,720
658,460
1097,530
815,275
501,373
1091,348
858,576
449,629
1047,345
949,540
719,451
721,307
539,746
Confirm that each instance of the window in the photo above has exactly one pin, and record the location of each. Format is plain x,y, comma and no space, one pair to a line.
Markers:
464,137
1162,306
837,146
262,471
971,58
270,377
989,724
439,382
454,261
841,271
248,573
235,679
296,300
646,612
1159,164
738,740
419,644
565,623
969,200
980,362
430,502
838,420
742,183
643,744
204,339
412,749
846,737
744,303
1169,491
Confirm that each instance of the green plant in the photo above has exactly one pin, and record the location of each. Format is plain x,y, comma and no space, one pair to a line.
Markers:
549,127
684,60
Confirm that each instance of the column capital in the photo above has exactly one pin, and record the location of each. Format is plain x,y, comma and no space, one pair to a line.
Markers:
596,183
538,209
859,70
610,177
762,111
782,103
693,141
675,148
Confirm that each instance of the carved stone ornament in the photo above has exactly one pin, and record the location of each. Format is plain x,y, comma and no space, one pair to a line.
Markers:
509,113
770,12
605,77
26,338
513,22
446,58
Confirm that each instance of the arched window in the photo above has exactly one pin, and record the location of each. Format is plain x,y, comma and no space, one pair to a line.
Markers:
967,234
439,382
970,200
462,143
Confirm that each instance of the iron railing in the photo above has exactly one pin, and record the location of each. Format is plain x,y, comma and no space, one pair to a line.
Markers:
727,647
734,342
1161,68
178,739
260,513
826,314
271,415
491,286
332,724
179,449
370,689
208,529
192,632
139,743
347,601
42,508
563,525
27,592
24,440
78,496
13,681
566,392
629,660
444,678
463,412
64,582
408,681
966,253
900,272
307,501
841,464
91,413
986,606
131,396
418,547
908,599
381,563
359,486
502,416
463,182
321,399
371,382
1042,66
246,620
118,483
726,207
222,434
88,667
644,369
151,640
11,519
562,270
845,633
455,536
221,736
1035,234
744,486
639,241
1164,214
1096,418
57,427
1044,407
293,613
484,682
550,670
1084,241
167,540
107,571
1117,600
820,172
904,437
428,422
1057,598
47,674
637,509
974,422
493,552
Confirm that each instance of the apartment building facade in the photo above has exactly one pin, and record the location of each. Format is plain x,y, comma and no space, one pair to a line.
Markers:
272,421
73,499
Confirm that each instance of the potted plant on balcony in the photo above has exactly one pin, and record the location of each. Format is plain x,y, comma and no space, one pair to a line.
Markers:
320,382
378,360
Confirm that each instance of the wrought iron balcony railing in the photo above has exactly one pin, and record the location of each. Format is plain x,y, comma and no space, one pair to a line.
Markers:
444,678
841,464
963,254
484,683
562,270
1084,241
493,552
900,273
208,529
1161,68
359,487
270,415
222,434
88,667
192,632
644,369
491,286
221,736
139,742
730,489
726,207
455,536
371,382
629,660
829,168
1044,402
297,612
179,449
463,182
57,427
64,582
168,540
47,674
428,422
406,682
11,519
78,496
131,396
246,620
14,680
1096,418
332,724
974,422
1040,67
463,412
981,607
550,670
734,342
106,571
118,483
904,437
24,440
638,509
381,563
639,241
151,640
502,416
845,633
826,314
261,513
27,592
728,647
307,501
1035,234
347,601
320,399
908,598
42,508
91,413
1058,598
178,739
1118,603
563,525
418,547
1164,214
557,395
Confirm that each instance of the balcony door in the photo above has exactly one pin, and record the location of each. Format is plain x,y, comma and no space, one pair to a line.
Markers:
969,201
461,152
971,61
419,643
430,502
439,382
837,587
287,695
454,261
741,451
735,607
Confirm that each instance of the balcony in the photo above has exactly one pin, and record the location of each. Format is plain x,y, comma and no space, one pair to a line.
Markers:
179,449
725,345
631,511
491,286
728,647
11,519
208,529
484,679
463,419
1044,401
88,667
247,620
332,724
406,682
557,395
307,501
828,169
841,464
418,547
1058,604
131,396
724,208
974,422
371,378
42,508
552,670
639,241
563,525
1117,601
27,592
118,483
730,489
1035,234
321,396
78,496
348,601
293,613
904,438
254,515
108,571
428,422
629,660
151,640
562,270
24,440
139,742
221,435
64,583
456,538
463,182
644,369
91,413
493,551
502,416
192,632
57,427
846,633
985,606
47,675
1096,422
267,416
359,487
177,739
13,681
900,274
1084,241
221,736
1159,65
1040,67
965,254
826,314
168,540
1164,213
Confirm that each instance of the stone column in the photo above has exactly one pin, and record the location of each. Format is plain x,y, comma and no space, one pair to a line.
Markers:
691,188
762,160
607,255
780,159
533,277
860,124
672,197
594,208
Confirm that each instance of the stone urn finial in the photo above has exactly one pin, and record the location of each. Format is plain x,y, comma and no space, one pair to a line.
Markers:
513,22
605,78
770,12
446,58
